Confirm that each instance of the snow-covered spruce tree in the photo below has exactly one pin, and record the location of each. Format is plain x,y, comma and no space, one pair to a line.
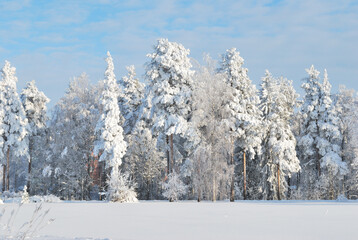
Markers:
244,112
279,159
347,108
71,151
329,145
209,171
129,100
170,83
13,122
319,141
307,142
34,103
110,142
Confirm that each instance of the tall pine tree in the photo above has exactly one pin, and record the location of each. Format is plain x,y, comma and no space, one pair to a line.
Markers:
14,123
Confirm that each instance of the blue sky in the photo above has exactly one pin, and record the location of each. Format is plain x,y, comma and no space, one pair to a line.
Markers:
53,41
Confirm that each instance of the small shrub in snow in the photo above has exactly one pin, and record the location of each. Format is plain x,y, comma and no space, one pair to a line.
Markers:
25,196
174,188
121,188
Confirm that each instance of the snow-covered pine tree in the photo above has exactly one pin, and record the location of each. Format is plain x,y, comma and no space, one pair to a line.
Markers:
244,112
14,126
279,160
170,82
34,103
307,143
319,143
110,142
347,108
131,95
130,98
329,145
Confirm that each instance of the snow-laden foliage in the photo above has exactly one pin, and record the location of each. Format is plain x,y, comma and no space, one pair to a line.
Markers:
279,159
243,103
34,102
130,97
170,78
174,188
14,123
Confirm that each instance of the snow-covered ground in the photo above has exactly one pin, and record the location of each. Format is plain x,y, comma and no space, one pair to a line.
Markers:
191,220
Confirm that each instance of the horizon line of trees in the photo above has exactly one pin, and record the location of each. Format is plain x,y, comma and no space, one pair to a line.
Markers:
190,131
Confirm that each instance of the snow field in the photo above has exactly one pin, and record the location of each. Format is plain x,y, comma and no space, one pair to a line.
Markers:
191,220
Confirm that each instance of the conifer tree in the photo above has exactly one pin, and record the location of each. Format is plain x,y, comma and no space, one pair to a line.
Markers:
279,159
110,141
347,108
170,82
131,95
320,139
14,123
329,144
244,113
34,103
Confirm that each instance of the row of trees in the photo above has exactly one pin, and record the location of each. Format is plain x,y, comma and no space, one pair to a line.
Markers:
190,132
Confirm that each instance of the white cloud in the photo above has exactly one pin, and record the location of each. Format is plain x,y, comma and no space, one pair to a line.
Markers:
286,38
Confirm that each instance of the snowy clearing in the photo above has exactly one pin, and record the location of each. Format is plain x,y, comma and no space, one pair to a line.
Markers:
192,220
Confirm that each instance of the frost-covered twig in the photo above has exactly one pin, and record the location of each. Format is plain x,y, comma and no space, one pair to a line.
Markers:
29,228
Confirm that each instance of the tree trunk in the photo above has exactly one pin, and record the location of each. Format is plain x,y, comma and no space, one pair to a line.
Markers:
171,158
318,166
15,176
8,169
29,169
289,188
171,152
232,187
199,195
244,176
3,177
214,188
278,182
168,155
